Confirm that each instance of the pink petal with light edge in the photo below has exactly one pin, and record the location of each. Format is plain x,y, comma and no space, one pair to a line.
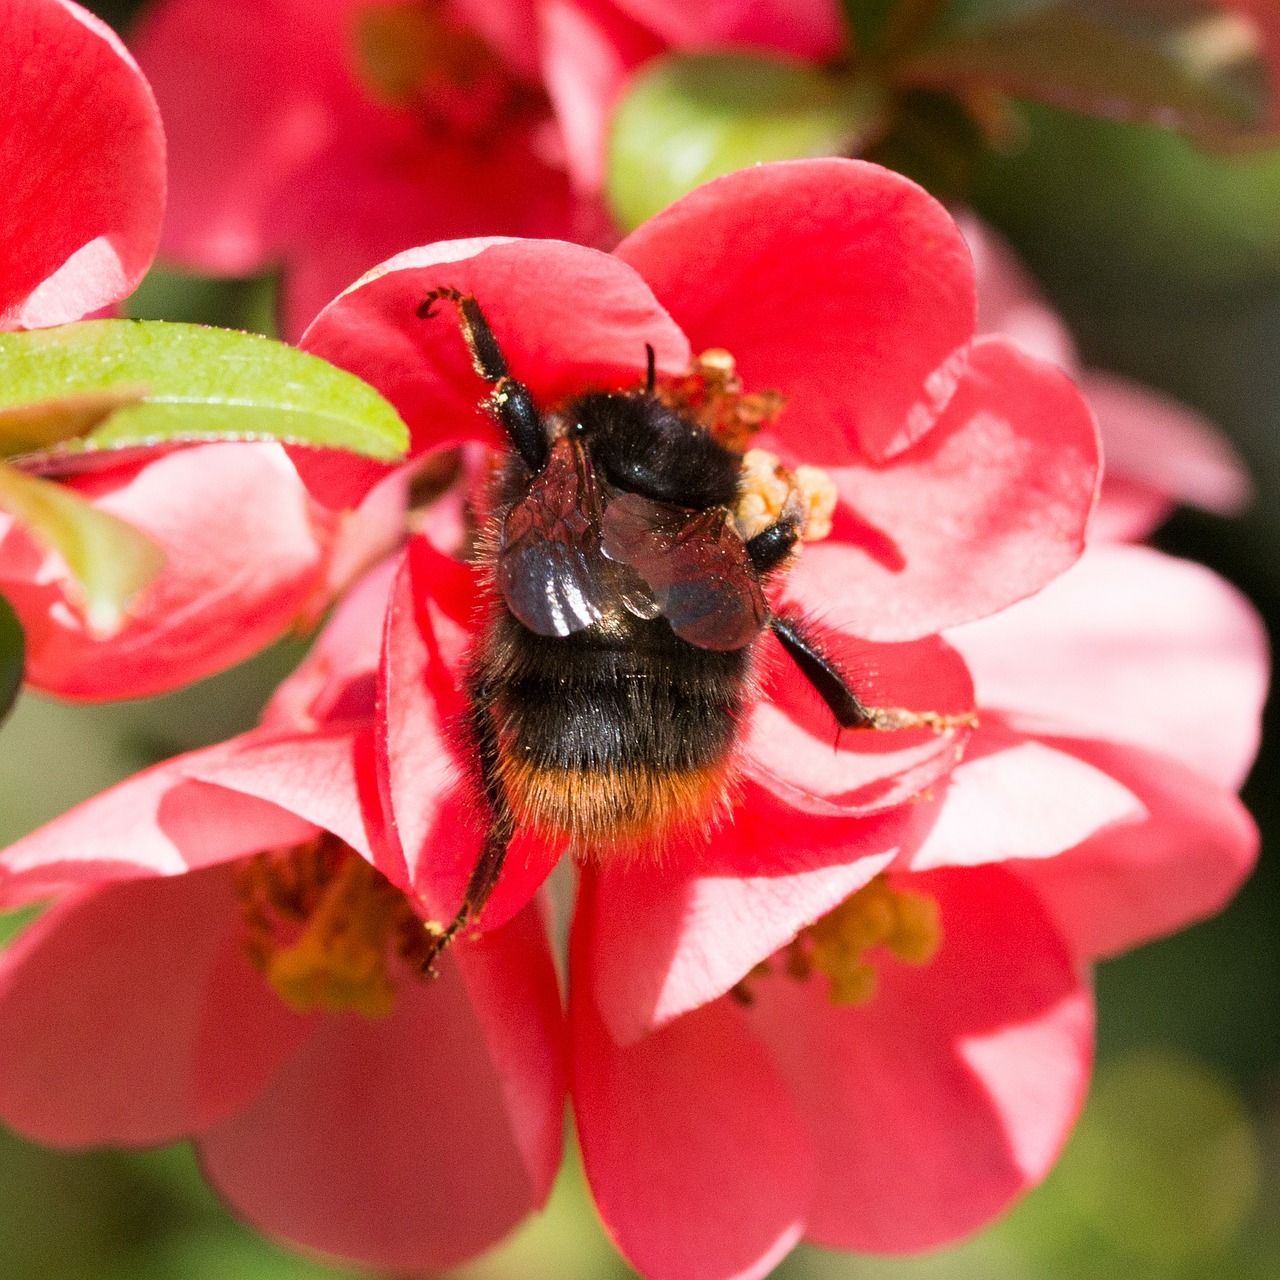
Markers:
952,1091
386,1142
1013,797
1139,881
103,1003
985,510
588,48
698,1163
511,979
807,28
567,318
1127,511
835,282
437,814
793,746
316,776
667,939
1134,647
1150,438
251,91
82,166
243,556
157,823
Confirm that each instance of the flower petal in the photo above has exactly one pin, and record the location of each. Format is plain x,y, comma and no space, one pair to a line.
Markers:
836,283
243,555
160,822
953,1089
1014,797
1131,646
697,1161
104,1005
793,746
566,317
983,511
392,1142
82,166
1181,861
808,28
668,938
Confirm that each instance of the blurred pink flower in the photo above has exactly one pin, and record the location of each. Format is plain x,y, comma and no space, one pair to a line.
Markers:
325,135
223,963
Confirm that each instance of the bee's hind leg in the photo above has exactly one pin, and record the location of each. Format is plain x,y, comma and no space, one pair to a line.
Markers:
488,869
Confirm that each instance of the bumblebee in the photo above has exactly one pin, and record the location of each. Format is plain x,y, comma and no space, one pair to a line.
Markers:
624,610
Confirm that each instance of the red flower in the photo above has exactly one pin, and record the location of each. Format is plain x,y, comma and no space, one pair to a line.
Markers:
223,963
326,136
83,185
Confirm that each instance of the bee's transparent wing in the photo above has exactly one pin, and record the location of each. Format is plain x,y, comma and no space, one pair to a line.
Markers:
695,565
551,570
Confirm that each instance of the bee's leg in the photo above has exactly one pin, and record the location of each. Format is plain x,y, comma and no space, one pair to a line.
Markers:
512,401
830,684
484,877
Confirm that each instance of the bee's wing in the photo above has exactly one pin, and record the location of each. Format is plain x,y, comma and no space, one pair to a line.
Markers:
695,565
551,570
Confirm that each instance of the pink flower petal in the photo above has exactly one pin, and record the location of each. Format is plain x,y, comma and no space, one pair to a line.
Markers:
667,939
160,822
437,813
1127,510
244,550
1179,862
696,1158
793,746
103,1005
837,283
985,510
1150,438
1134,647
567,318
392,1142
81,166
588,47
808,28
952,1091
1014,797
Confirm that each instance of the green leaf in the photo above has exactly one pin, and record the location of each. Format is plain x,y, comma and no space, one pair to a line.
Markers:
109,560
25,428
12,660
1078,61
191,383
689,118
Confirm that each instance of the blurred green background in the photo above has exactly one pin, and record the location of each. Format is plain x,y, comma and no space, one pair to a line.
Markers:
1167,266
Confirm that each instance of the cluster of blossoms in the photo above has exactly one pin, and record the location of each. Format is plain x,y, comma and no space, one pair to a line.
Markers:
859,1010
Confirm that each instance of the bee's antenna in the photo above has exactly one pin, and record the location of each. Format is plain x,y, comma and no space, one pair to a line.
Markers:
651,377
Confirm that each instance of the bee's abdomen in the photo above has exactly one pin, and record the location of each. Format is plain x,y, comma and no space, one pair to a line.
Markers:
613,746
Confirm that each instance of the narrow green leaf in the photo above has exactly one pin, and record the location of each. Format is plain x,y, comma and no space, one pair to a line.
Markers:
1078,61
12,659
110,561
690,118
25,428
196,384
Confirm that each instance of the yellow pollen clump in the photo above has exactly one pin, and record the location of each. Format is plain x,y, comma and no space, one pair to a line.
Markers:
323,925
907,924
712,395
767,489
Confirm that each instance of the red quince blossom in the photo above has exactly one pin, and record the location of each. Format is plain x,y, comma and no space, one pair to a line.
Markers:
324,137
1064,827
337,1098
83,181
1158,452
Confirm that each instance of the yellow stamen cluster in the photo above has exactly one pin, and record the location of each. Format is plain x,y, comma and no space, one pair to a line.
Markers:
323,925
766,489
712,395
907,924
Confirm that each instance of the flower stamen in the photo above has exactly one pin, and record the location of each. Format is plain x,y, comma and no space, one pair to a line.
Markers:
322,926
